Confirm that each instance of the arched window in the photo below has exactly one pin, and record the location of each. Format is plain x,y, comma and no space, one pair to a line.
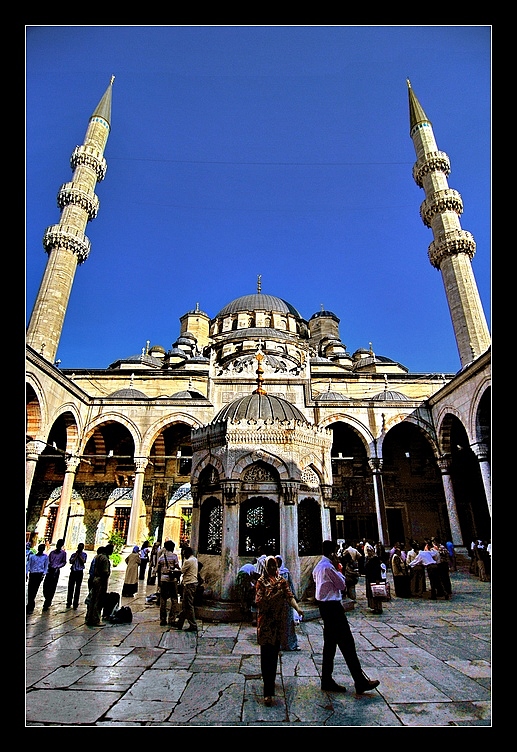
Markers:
259,526
211,527
309,528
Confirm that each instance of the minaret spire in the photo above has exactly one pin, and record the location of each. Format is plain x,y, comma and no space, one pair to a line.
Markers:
65,243
452,248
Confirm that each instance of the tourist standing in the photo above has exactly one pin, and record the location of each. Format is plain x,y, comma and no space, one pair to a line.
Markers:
75,578
56,562
189,580
36,568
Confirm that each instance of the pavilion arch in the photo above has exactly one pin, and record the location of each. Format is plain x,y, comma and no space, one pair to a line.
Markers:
310,464
206,461
252,458
364,434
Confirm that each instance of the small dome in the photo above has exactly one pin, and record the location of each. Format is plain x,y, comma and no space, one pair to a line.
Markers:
330,397
128,393
325,315
258,302
177,353
259,407
389,394
188,394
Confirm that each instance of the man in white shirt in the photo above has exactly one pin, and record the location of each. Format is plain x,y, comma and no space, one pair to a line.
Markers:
430,560
336,630
189,580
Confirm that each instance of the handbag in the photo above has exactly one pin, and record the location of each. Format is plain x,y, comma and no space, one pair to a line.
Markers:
381,590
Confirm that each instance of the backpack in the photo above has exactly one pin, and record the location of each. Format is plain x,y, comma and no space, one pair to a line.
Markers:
123,615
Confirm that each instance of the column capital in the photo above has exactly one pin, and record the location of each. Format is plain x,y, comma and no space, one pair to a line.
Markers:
326,492
230,489
72,463
481,451
444,464
140,464
34,448
290,491
375,464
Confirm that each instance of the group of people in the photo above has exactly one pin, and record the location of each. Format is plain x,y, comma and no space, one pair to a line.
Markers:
274,594
411,570
480,553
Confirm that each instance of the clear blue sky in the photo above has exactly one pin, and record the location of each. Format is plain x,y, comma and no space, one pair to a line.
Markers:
243,150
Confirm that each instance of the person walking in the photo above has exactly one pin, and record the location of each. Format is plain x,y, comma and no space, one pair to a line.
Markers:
75,578
99,586
273,594
36,569
130,586
336,629
289,639
189,580
56,562
167,565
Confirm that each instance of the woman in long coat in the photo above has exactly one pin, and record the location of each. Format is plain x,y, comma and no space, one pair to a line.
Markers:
130,586
272,593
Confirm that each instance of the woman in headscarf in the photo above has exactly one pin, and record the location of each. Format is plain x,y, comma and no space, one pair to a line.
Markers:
289,639
272,595
130,586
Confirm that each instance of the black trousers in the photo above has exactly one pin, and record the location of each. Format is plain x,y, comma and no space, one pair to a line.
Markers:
268,666
337,633
33,585
50,585
75,580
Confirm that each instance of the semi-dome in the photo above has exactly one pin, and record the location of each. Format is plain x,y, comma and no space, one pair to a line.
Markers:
259,407
258,302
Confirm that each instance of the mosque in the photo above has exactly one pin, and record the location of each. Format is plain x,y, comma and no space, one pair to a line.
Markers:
257,428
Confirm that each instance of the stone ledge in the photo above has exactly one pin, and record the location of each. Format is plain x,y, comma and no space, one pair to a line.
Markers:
227,612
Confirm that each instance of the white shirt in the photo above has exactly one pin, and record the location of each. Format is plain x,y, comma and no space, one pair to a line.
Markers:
426,558
329,582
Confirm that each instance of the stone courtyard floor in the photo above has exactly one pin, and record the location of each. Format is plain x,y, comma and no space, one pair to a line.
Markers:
432,658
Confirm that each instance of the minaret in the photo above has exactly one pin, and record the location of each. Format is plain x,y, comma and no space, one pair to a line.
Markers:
452,248
65,243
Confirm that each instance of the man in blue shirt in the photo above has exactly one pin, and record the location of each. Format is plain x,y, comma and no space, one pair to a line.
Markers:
336,630
37,568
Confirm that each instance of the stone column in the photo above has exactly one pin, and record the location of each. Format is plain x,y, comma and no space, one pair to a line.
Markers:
194,530
33,449
230,538
380,505
326,530
72,463
444,463
136,526
481,452
289,530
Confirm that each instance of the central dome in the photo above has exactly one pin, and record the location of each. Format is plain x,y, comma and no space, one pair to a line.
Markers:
259,407
258,302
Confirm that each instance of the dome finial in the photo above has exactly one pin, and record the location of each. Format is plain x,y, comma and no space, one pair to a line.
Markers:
259,356
259,282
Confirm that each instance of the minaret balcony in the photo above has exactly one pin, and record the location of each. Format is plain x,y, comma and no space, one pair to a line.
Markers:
60,236
435,161
451,244
439,203
89,157
69,193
